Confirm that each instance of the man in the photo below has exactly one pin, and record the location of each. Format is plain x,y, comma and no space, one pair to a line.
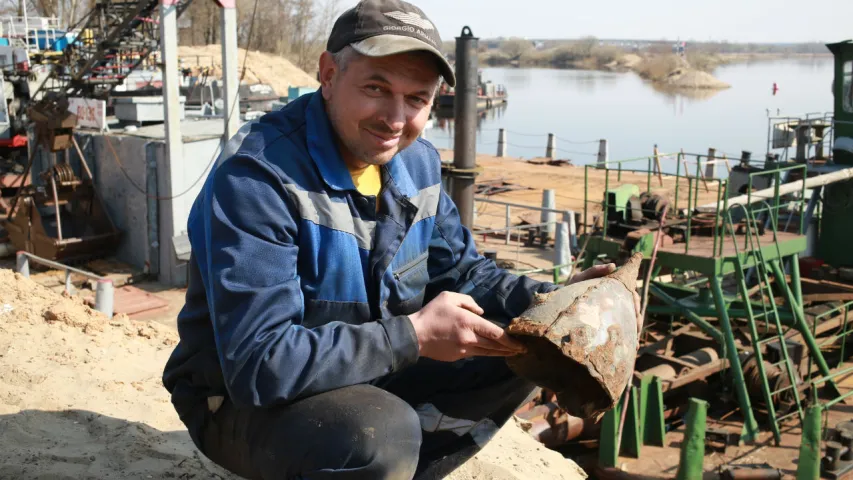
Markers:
333,325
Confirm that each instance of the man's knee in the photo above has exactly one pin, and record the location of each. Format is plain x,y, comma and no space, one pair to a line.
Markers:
375,432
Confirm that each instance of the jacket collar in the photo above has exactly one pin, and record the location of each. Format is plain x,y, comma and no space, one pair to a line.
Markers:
323,149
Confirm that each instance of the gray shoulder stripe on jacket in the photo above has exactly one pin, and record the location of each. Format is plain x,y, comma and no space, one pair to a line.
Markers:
427,202
318,208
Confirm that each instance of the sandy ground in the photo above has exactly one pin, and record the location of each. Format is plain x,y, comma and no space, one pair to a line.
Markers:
261,67
510,456
81,397
568,181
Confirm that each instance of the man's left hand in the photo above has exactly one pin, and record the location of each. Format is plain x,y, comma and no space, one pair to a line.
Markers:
597,271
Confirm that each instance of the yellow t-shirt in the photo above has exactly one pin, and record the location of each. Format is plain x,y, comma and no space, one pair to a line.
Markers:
367,180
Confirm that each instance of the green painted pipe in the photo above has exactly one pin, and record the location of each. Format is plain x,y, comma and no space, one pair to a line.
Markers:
695,319
803,327
808,465
693,445
750,426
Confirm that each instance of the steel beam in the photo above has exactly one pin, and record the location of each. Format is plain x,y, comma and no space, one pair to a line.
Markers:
231,83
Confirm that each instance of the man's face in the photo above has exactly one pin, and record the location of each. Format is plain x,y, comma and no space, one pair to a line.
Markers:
378,105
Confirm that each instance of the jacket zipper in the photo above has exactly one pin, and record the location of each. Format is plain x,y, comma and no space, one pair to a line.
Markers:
417,261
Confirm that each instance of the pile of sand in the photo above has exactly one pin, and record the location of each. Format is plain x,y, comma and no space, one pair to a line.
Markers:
630,60
261,67
81,397
693,79
514,455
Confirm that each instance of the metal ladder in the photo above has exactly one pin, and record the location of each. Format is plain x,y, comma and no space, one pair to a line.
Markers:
770,315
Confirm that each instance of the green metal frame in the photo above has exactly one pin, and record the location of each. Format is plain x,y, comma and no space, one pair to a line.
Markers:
746,251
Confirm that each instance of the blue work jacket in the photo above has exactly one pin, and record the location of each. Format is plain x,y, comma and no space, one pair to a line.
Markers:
298,285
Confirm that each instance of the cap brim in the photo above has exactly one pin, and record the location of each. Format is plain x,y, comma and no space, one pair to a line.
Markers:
384,45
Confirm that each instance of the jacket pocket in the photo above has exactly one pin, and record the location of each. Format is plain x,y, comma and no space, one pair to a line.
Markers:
410,281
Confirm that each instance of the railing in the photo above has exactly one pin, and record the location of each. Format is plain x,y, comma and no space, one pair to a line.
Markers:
673,171
104,286
565,236
782,134
778,179
29,28
846,329
656,170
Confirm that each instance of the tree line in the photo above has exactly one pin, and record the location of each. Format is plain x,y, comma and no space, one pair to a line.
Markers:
294,29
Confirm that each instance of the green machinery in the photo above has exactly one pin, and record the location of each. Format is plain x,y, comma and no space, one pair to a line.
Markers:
737,255
836,229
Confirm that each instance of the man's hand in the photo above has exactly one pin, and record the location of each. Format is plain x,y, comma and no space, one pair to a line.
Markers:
597,271
450,328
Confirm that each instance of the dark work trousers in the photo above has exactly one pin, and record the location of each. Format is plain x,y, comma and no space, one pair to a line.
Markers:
420,423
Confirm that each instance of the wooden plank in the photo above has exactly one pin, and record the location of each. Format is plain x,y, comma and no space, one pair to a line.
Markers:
698,373
828,297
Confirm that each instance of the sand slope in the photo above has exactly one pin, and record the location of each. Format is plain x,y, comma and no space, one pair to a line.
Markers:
514,455
261,67
81,397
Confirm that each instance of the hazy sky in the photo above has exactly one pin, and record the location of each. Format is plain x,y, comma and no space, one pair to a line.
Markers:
734,20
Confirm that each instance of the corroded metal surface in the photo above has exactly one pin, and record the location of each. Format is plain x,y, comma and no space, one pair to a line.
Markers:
582,341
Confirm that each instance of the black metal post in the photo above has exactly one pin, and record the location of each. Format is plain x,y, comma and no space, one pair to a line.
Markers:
465,115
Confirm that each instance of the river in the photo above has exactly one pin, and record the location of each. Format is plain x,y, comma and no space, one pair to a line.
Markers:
580,107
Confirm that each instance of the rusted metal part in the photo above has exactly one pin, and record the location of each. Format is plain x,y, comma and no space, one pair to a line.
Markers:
553,426
703,356
750,473
776,378
663,371
582,341
498,186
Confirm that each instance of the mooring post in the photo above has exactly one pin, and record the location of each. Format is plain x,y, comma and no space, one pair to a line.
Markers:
808,465
552,146
549,200
562,251
22,263
104,297
693,445
465,116
602,154
501,142
569,217
711,164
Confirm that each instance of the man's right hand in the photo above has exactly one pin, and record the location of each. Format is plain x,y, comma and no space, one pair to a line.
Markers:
450,328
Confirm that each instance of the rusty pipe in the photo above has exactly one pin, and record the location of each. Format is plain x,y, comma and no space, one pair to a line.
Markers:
751,474
664,371
700,357
565,430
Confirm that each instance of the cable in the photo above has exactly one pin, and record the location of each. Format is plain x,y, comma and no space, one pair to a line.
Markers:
527,134
157,197
577,143
249,40
572,152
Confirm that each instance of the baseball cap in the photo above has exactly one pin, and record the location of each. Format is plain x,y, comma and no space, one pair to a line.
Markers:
377,28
